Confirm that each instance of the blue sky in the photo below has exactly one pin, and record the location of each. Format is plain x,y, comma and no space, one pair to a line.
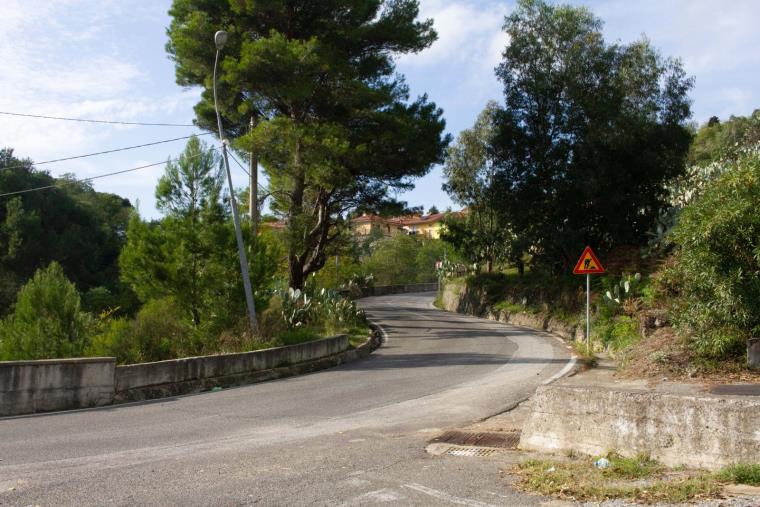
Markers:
105,59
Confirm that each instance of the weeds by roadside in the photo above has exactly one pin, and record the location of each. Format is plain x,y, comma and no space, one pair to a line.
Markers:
639,479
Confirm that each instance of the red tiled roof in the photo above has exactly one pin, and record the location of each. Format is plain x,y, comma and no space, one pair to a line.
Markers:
404,220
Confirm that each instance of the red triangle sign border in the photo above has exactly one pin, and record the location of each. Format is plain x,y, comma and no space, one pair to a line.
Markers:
579,269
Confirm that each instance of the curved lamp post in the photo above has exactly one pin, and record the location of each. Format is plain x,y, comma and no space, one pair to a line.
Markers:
220,38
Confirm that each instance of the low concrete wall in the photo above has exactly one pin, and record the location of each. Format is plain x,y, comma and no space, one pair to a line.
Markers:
55,384
701,431
59,384
459,299
384,290
180,376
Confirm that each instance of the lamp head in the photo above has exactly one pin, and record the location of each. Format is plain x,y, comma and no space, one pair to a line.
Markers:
220,39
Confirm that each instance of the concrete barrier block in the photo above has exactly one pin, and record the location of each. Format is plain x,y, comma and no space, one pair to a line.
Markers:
702,431
55,384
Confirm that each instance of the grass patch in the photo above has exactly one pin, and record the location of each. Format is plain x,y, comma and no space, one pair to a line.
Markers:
741,473
639,479
299,335
358,335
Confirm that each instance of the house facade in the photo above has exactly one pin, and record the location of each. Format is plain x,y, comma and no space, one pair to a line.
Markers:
428,226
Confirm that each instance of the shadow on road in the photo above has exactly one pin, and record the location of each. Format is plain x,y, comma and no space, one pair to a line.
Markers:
379,362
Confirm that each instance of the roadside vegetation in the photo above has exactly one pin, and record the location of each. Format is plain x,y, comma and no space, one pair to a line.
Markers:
82,273
638,479
590,145
674,221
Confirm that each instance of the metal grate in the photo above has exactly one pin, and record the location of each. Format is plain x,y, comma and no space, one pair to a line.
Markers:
506,440
471,451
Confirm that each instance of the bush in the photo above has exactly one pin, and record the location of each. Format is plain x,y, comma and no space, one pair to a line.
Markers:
403,259
717,262
158,332
47,321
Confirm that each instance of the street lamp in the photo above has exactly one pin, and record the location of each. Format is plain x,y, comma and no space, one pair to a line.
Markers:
220,38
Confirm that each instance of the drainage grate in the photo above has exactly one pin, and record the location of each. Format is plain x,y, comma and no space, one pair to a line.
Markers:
507,440
471,451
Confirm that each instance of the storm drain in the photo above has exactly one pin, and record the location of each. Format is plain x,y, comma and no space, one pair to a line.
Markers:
505,440
471,451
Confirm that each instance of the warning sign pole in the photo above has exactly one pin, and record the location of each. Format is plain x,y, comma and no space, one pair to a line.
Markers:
587,265
588,310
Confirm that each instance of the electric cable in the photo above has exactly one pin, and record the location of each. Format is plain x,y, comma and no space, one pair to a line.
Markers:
59,183
261,187
107,151
111,122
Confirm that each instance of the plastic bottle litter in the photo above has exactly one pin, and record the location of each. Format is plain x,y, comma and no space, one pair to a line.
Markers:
602,463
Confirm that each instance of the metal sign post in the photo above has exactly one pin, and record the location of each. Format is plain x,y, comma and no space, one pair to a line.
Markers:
588,310
587,265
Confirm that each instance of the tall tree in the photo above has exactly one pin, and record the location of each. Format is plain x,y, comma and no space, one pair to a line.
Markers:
335,128
589,132
483,234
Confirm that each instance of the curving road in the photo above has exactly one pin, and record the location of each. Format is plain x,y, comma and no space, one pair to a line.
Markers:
351,435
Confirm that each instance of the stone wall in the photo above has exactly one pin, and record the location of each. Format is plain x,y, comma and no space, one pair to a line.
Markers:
55,384
674,429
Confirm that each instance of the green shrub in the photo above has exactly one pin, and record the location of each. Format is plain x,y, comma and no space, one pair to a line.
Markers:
47,321
717,268
403,259
115,340
616,332
741,473
157,332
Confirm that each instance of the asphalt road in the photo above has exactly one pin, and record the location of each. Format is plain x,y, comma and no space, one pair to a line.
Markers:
351,435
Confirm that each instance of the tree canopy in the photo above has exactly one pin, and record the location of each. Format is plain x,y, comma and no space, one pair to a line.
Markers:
335,127
72,224
588,134
483,234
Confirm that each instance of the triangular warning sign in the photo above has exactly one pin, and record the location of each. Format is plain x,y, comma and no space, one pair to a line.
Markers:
588,263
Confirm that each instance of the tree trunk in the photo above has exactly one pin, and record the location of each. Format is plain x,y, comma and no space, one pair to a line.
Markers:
295,262
520,267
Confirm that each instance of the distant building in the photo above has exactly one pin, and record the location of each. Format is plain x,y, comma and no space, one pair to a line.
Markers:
428,226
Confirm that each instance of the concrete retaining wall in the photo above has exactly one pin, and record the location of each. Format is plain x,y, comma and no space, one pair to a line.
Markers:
461,299
58,384
384,290
189,374
55,384
702,431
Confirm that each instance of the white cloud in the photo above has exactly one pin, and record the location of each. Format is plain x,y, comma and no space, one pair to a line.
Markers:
467,33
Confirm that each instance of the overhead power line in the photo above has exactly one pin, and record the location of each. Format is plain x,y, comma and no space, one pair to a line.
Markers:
262,187
111,122
107,151
59,183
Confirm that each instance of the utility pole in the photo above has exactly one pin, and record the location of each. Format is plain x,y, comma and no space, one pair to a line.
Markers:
253,190
220,38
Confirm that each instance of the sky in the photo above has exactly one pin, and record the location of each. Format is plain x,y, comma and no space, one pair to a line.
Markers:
105,59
